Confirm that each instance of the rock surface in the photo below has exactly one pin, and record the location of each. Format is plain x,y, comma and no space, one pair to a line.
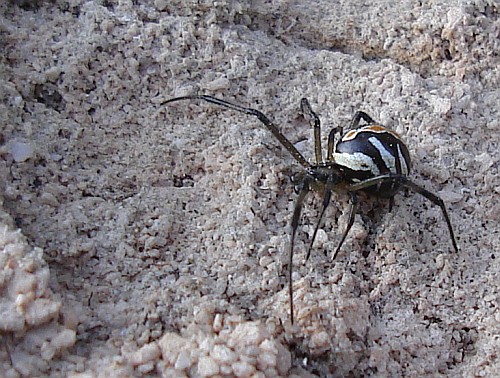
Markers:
138,239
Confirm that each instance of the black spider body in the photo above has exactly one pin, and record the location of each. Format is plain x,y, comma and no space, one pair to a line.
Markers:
369,158
370,151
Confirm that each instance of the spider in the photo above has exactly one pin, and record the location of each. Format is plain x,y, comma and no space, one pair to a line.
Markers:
369,157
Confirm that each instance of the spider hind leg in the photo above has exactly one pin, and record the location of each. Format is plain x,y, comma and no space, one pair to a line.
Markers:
402,180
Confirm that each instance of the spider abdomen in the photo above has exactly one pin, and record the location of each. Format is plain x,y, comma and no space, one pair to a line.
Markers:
371,151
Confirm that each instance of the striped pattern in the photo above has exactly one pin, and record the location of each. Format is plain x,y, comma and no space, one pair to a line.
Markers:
376,129
370,151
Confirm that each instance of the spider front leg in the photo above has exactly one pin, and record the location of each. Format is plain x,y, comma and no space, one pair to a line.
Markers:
405,182
253,112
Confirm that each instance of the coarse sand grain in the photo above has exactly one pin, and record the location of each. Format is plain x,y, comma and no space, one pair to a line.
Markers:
138,239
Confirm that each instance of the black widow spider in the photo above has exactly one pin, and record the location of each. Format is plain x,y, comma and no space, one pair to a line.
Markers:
370,158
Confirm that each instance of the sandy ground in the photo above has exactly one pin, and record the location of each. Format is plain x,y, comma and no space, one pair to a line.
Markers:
145,240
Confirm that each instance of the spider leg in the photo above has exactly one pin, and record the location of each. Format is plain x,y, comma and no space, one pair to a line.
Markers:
295,222
435,200
261,116
358,116
314,121
326,201
404,181
350,222
376,181
391,203
331,142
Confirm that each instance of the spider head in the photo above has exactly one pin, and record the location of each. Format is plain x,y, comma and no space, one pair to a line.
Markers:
317,176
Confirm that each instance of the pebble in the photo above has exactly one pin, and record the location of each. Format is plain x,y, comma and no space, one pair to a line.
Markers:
223,354
21,151
242,369
207,367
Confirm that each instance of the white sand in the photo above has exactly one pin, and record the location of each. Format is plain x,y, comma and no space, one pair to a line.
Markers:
140,240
